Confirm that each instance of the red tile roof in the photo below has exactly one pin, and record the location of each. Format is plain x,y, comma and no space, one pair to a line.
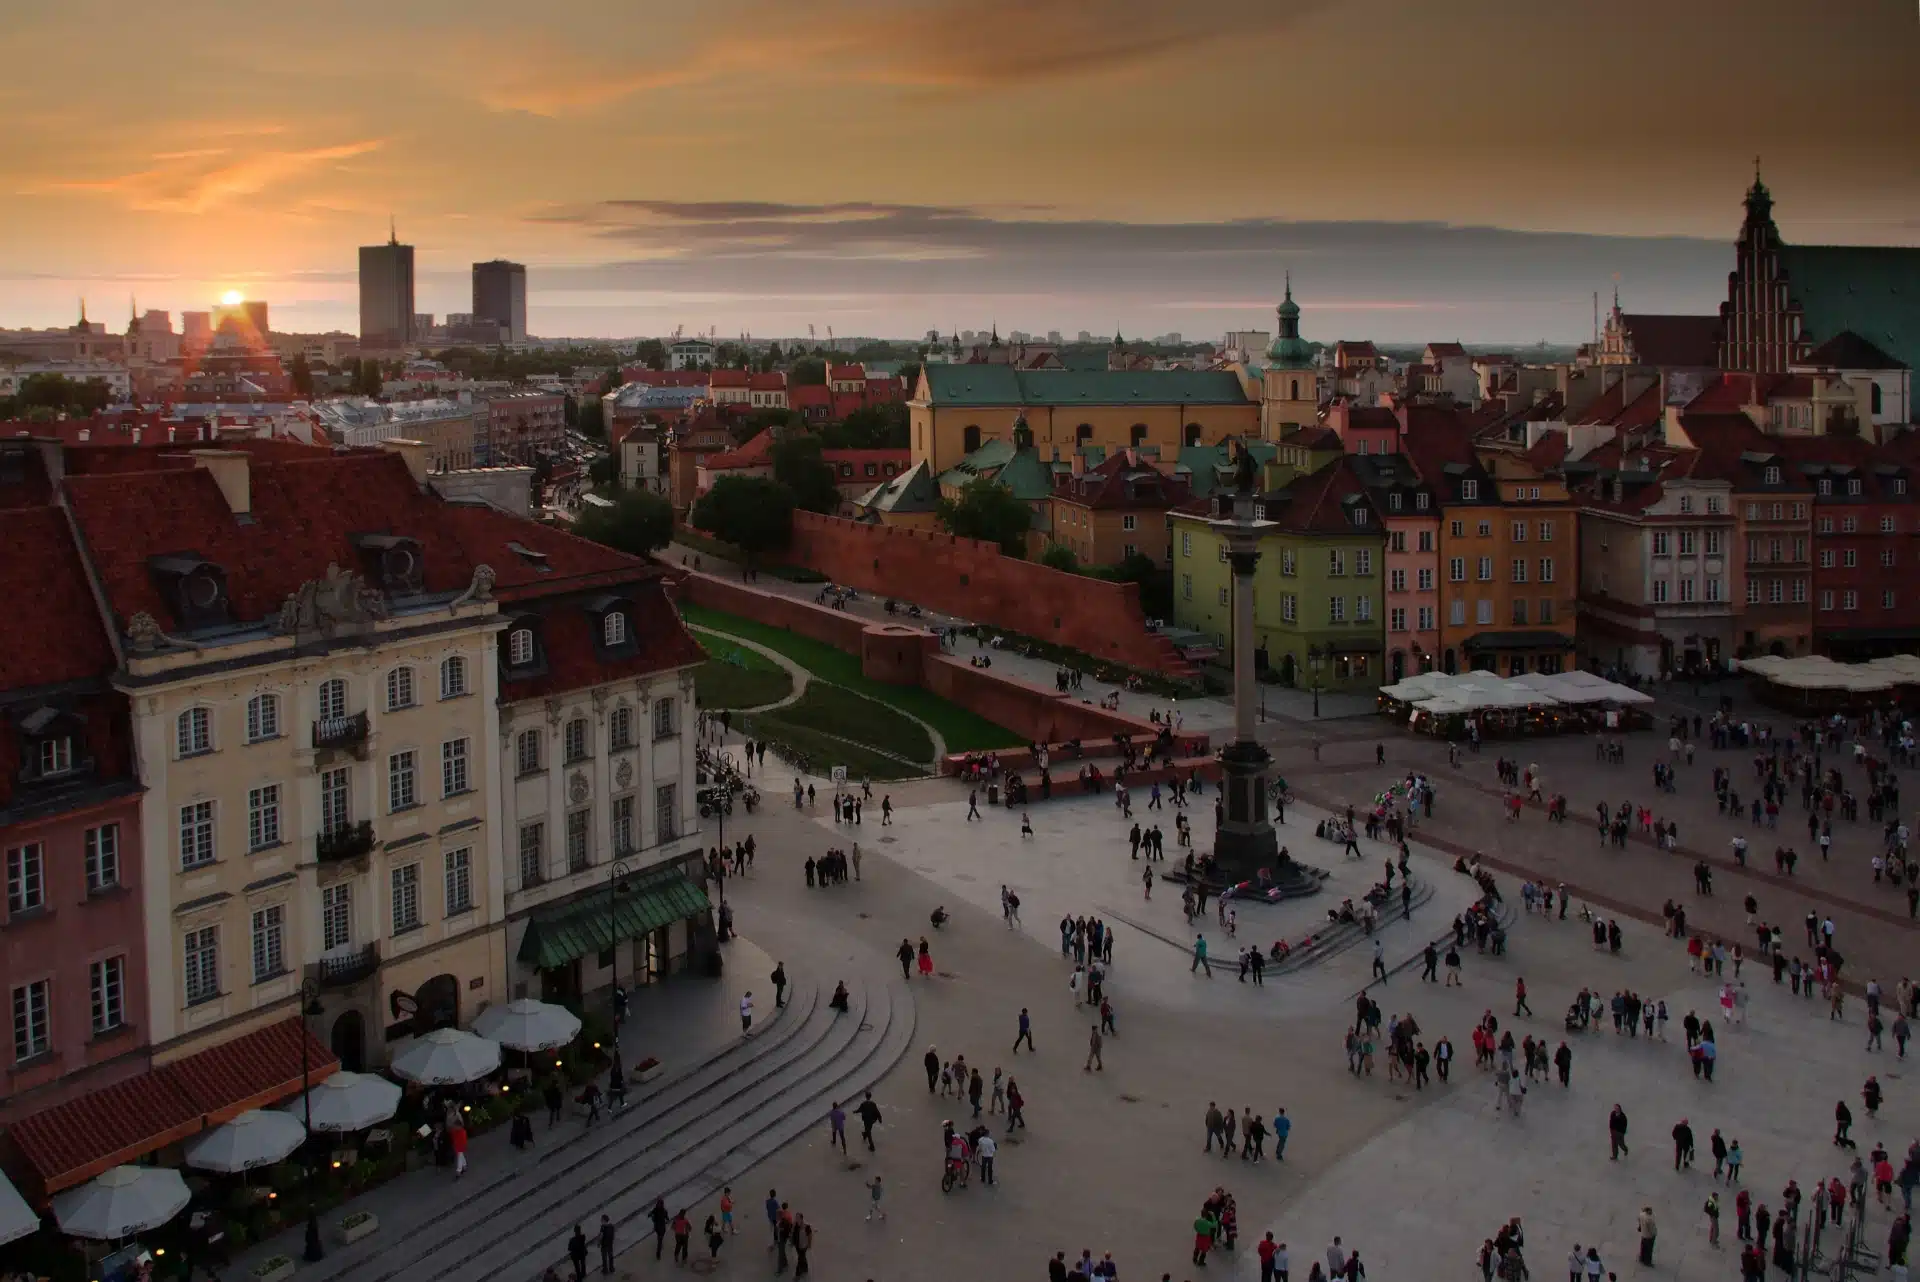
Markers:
665,377
1727,394
846,373
727,378
1674,341
303,514
567,635
71,1143
774,382
41,580
1121,482
1438,350
757,452
810,395
1549,451
1316,503
1847,350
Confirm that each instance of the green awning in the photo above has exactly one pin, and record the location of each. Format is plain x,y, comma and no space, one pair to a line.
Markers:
599,919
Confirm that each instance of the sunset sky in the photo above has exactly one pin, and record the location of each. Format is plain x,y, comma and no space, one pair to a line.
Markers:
1472,170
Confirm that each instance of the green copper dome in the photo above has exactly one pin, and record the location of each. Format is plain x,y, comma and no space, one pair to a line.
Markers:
1289,350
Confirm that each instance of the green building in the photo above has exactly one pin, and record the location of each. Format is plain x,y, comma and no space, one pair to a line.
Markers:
1318,588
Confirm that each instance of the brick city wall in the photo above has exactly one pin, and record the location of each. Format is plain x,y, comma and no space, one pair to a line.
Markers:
973,581
836,628
1036,714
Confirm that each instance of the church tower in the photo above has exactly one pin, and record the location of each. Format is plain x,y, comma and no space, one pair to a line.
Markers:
1289,387
1760,322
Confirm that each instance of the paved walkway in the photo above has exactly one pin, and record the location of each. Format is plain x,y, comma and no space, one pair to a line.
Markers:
799,674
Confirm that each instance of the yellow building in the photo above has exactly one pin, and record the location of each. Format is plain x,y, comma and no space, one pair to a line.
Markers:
309,647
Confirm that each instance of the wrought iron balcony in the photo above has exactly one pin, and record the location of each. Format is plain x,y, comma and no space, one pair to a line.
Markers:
337,970
340,732
349,841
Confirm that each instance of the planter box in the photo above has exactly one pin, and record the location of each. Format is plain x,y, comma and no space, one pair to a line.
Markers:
278,1269
358,1225
647,1070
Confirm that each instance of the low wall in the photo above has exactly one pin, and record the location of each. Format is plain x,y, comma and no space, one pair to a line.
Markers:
836,628
1036,713
974,581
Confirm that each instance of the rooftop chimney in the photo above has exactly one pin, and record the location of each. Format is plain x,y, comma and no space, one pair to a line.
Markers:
414,452
230,472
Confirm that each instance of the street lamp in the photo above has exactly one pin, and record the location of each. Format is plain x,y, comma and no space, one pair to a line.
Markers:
309,1007
617,873
1314,659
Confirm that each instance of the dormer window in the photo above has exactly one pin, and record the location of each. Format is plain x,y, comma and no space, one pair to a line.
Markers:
1853,487
520,646
613,628
1771,476
391,560
1420,502
195,587
1469,491
1359,516
1899,485
1826,486
56,756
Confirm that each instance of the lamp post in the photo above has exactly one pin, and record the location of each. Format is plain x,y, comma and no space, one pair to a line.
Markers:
309,1007
1314,659
617,873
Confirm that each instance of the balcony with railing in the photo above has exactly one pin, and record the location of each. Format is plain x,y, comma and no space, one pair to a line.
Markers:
345,966
348,841
340,732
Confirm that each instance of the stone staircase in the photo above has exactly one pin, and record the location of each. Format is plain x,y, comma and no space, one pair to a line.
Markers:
682,1138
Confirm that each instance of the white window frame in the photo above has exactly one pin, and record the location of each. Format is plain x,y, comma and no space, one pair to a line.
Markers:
263,816
333,699
666,718
198,840
666,812
200,964
336,799
533,853
403,791
102,845
336,917
453,676
193,732
459,881
400,691
26,877
613,628
32,1020
268,935
527,752
576,741
404,882
520,648
455,777
263,718
620,727
107,990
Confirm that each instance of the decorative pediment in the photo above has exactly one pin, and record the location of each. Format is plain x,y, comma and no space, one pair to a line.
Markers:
340,602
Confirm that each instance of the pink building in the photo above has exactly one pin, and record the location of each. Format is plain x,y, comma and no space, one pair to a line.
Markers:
522,426
1412,598
72,941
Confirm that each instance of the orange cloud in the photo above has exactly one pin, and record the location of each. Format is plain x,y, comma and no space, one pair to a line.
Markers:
197,180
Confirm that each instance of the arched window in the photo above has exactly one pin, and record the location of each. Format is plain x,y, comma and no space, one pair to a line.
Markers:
1293,389
1193,434
263,717
453,677
970,438
333,699
399,688
527,752
1874,396
1082,434
575,748
620,727
613,628
194,732
520,646
1138,436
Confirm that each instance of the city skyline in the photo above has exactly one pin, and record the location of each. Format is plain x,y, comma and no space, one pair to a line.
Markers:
956,165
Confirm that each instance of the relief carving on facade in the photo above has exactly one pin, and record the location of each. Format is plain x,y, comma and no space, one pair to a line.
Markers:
340,601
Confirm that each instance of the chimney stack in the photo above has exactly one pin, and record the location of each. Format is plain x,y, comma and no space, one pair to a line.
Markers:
231,472
415,453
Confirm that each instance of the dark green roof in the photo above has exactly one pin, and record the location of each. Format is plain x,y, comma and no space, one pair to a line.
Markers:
590,924
951,385
1021,471
910,492
1208,466
1873,291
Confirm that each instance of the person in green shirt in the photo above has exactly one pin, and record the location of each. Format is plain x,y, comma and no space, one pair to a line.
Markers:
1200,961
1203,1229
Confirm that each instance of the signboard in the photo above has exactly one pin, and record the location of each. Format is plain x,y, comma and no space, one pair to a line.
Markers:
839,775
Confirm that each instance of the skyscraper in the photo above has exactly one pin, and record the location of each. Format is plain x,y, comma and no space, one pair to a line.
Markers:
500,297
386,295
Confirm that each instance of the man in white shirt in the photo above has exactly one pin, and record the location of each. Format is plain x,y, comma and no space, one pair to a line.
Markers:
746,1013
984,1150
1336,1259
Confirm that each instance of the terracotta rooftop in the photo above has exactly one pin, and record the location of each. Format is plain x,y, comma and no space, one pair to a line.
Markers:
1674,341
41,580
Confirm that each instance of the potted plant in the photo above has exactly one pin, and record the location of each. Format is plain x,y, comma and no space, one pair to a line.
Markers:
357,1225
275,1268
647,1069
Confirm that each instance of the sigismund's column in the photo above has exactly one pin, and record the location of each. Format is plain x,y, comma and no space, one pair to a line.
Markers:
1244,842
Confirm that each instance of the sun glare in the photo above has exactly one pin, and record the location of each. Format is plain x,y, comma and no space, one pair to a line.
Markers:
233,298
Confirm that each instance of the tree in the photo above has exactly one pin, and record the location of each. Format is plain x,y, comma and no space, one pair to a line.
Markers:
988,510
639,522
616,377
797,464
302,375
366,379
652,353
754,513
1156,584
592,419
877,427
1059,556
910,375
604,472
809,371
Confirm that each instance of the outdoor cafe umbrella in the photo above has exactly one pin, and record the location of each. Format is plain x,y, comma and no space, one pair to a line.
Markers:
16,1217
124,1201
447,1057
349,1102
254,1138
528,1025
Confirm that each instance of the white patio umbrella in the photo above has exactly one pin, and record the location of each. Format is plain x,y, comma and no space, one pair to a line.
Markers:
528,1025
122,1202
348,1102
447,1057
16,1217
253,1138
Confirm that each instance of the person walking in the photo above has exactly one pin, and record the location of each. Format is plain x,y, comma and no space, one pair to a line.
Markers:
874,1209
931,1062
1094,1043
1520,1006
1379,963
577,1252
1646,1229
1282,1127
802,1245
659,1218
606,1245
1200,961
746,1013
1026,1032
905,954
682,1235
869,1118
1616,1133
555,1100
837,1128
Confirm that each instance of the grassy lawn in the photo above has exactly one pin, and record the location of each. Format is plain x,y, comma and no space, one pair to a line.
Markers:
837,711
753,682
817,753
963,730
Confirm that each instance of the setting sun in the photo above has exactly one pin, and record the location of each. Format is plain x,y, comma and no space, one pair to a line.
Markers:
233,298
